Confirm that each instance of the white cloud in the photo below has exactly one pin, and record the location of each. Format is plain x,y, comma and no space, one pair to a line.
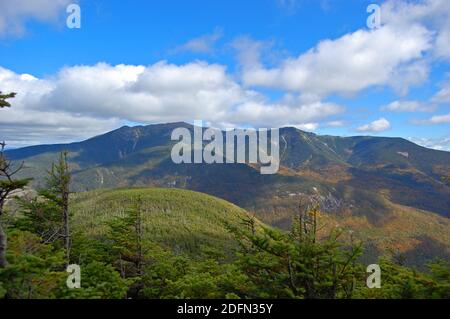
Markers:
443,42
351,63
29,121
436,119
377,126
442,144
398,54
308,126
434,14
298,115
335,123
203,44
15,14
443,96
81,101
250,51
407,106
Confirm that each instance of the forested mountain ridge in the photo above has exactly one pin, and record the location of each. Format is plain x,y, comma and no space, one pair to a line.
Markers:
351,174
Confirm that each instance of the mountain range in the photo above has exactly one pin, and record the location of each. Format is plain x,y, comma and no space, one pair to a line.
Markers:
388,190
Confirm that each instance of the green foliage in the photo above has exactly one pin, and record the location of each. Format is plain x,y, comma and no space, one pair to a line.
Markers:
403,177
34,269
399,282
41,216
181,276
4,97
125,242
99,281
8,184
298,264
125,237
121,254
45,215
37,270
58,180
440,274
183,220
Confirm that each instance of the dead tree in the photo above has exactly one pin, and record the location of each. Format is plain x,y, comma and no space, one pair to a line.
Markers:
8,184
59,182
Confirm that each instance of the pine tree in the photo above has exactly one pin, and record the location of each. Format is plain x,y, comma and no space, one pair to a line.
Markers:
58,191
40,215
34,269
4,97
126,237
298,264
7,182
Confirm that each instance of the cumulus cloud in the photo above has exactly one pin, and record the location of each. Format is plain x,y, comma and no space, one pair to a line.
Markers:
81,101
284,114
203,44
29,121
434,14
397,55
351,63
377,126
15,14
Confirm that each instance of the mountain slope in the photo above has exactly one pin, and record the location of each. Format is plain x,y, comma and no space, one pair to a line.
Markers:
388,190
356,175
182,220
191,222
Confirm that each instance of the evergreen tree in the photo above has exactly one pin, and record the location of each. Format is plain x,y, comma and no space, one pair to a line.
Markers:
47,214
125,236
99,281
4,97
34,269
8,183
400,282
298,264
41,215
58,191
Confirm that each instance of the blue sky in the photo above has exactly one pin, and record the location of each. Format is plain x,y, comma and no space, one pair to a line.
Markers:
312,64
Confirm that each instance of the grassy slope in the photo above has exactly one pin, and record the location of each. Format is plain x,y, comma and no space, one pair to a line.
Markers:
183,220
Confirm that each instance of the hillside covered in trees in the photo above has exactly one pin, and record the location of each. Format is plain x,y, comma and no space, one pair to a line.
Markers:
159,243
389,191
